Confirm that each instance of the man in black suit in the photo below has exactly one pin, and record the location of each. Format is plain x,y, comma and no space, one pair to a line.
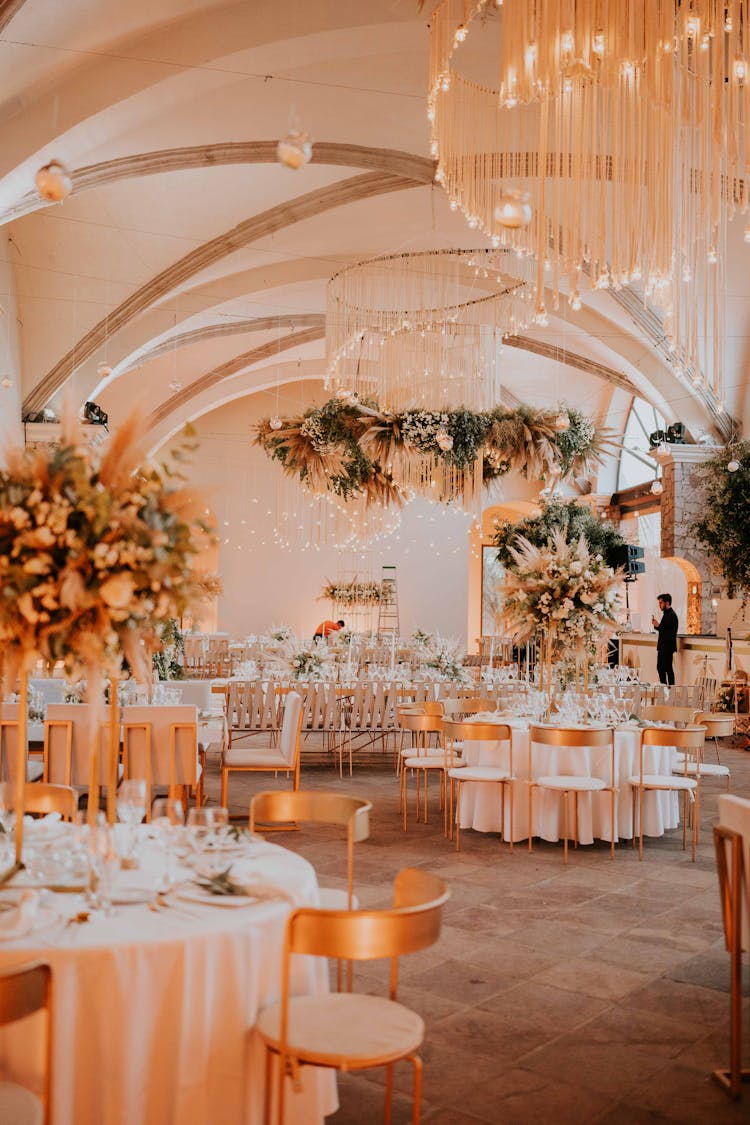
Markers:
666,646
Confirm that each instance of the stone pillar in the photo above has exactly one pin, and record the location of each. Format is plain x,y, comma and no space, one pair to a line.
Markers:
681,505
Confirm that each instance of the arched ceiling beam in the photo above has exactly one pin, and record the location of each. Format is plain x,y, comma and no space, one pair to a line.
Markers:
155,163
233,367
259,226
8,9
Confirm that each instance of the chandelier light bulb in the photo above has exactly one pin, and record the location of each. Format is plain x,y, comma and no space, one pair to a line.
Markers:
514,210
733,466
657,488
575,301
53,181
540,316
103,370
6,382
275,423
562,422
294,150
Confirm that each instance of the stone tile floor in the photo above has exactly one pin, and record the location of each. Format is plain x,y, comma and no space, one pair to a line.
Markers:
592,993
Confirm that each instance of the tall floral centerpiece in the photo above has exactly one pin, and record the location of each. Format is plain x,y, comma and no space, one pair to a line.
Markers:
564,593
96,554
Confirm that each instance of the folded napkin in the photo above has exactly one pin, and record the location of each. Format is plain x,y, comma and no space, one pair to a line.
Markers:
20,920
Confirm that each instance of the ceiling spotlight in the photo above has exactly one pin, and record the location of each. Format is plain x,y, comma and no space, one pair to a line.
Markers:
733,466
103,370
294,150
94,414
514,209
657,488
53,181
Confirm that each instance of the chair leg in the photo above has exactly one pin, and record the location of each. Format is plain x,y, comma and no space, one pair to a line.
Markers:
267,1088
640,823
416,1115
575,818
684,819
224,786
531,815
565,826
632,817
511,795
696,821
458,816
388,1093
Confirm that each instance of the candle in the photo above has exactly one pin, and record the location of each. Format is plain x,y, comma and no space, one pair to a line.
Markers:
492,652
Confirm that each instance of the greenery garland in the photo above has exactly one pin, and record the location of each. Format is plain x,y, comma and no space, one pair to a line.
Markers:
354,593
724,527
571,518
346,446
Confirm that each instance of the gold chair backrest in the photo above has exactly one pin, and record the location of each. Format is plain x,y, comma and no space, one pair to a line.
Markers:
721,719
469,706
663,713
683,738
369,935
568,736
23,991
476,732
43,798
313,806
408,720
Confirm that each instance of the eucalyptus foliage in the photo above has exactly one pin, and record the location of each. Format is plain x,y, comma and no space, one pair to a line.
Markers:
724,526
572,519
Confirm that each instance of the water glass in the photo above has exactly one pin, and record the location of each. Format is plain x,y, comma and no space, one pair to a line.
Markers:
168,818
103,862
131,809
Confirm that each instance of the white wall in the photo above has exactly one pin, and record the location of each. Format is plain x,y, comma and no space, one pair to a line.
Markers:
265,585
10,397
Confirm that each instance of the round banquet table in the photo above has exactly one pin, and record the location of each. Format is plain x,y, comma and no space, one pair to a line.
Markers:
154,1008
480,801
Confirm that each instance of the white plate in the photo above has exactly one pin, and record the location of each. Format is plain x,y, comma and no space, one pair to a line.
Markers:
123,896
43,919
192,893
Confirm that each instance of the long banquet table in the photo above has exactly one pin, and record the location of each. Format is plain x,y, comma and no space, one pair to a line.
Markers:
480,804
154,1006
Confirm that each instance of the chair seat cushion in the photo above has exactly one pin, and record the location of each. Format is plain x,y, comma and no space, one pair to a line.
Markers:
18,1106
663,781
480,773
331,898
706,769
271,759
572,783
363,1030
431,762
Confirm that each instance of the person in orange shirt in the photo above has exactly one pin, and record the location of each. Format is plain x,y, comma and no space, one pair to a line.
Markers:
327,627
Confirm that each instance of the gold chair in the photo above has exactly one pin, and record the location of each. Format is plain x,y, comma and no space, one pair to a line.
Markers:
479,775
23,991
160,744
690,741
565,784
42,798
282,758
732,843
718,724
420,762
345,1030
282,806
427,707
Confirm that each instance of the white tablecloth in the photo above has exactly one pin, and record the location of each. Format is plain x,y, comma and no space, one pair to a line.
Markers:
480,802
154,1010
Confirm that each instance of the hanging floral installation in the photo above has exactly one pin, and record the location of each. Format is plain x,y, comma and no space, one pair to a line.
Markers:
354,593
353,449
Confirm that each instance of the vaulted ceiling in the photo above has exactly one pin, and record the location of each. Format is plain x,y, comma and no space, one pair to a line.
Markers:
195,266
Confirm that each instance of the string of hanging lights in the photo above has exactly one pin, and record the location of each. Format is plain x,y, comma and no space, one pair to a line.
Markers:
612,140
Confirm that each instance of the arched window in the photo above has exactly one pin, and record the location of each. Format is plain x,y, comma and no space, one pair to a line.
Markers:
635,466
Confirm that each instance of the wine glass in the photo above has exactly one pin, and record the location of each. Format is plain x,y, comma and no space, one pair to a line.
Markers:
131,809
221,827
167,817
